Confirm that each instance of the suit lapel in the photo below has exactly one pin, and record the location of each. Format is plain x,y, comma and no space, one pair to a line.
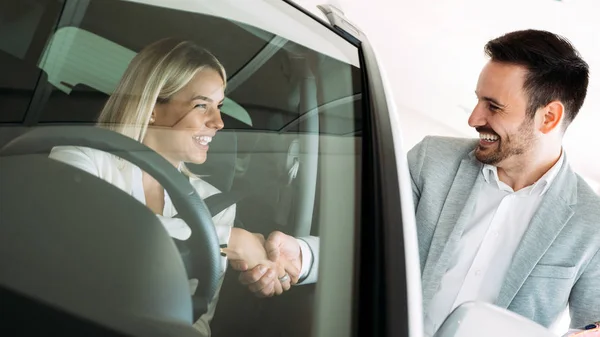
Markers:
553,214
457,209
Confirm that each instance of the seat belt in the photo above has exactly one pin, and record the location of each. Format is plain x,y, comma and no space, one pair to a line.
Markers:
216,203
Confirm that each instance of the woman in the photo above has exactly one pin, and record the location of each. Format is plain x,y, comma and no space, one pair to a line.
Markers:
169,98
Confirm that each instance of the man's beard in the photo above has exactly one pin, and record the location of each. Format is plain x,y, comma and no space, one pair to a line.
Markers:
515,144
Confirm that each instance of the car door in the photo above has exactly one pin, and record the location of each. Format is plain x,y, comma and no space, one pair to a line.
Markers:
310,138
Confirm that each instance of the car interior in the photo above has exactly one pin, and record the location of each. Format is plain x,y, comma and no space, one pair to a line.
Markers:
290,149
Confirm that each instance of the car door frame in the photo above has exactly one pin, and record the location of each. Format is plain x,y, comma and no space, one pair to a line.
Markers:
387,298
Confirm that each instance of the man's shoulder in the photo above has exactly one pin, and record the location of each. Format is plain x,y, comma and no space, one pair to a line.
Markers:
440,157
587,197
446,151
449,146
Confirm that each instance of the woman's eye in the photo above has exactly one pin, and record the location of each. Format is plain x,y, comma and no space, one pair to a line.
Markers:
220,106
200,106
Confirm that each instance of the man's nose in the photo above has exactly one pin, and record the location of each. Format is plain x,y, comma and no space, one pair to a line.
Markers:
477,117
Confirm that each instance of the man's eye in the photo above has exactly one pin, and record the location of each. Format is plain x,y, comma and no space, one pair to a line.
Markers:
493,108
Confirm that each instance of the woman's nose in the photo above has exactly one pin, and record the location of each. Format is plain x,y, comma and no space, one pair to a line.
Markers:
215,121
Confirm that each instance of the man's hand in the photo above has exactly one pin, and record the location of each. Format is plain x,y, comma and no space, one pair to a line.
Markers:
284,251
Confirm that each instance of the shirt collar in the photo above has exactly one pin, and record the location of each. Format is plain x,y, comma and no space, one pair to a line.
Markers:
540,187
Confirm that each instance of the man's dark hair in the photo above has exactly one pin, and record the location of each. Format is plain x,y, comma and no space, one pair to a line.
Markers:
556,71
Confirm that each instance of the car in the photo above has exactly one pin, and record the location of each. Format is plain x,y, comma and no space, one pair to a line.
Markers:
311,142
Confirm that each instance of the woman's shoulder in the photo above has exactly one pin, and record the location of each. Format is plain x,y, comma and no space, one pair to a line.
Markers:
59,151
94,161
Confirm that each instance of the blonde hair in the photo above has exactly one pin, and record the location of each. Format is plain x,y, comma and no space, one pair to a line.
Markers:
154,75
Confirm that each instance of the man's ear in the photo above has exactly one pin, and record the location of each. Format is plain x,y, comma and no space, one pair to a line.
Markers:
553,114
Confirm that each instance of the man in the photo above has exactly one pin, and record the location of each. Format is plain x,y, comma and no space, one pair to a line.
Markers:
504,219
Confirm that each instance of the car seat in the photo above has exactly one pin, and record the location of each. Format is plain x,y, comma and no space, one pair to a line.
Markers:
91,252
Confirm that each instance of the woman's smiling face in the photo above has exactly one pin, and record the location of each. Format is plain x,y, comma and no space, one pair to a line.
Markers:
185,124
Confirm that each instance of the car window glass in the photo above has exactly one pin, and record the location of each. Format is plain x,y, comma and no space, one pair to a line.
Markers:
292,136
24,28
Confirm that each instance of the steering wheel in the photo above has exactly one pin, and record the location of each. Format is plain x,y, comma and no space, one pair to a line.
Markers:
203,240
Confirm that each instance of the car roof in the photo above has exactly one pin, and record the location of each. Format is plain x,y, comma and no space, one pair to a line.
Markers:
283,21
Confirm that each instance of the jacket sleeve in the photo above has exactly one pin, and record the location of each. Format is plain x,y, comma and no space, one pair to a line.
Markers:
584,301
416,158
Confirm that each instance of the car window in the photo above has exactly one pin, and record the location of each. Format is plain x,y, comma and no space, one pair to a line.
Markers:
25,27
292,138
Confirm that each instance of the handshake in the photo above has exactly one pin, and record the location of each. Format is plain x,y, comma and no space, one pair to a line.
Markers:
268,267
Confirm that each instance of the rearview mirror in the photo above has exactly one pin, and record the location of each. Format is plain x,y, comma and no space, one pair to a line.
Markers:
484,319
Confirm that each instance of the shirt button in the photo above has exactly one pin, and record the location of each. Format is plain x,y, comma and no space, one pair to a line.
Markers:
477,272
495,234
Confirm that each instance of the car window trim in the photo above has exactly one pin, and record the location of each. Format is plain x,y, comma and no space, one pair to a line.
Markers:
69,14
373,315
382,299
341,34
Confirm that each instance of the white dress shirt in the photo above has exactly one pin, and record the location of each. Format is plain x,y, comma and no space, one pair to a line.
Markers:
306,256
484,252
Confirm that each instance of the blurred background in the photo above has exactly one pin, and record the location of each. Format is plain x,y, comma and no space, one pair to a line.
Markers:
432,51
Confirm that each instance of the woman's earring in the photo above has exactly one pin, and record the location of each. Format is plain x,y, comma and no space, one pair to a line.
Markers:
151,119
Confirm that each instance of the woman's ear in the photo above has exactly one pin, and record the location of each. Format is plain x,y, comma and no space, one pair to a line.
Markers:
553,114
152,118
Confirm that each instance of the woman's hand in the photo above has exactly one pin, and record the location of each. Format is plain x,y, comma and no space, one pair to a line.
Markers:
247,247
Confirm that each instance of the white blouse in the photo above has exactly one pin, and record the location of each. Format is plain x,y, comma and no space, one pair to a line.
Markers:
128,178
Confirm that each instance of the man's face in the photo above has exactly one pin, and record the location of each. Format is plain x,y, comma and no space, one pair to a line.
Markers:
505,130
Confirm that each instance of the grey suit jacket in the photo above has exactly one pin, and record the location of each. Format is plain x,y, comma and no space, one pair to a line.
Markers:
558,260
